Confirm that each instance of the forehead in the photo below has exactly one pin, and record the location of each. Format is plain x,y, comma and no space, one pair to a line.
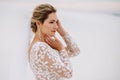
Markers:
52,16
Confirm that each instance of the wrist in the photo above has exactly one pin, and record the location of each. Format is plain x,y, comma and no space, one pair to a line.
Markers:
61,48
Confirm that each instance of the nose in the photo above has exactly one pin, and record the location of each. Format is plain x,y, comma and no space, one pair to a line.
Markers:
55,26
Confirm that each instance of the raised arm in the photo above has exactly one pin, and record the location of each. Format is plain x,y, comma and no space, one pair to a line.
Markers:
55,61
72,47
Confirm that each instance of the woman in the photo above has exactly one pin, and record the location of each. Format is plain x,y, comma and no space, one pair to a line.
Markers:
48,57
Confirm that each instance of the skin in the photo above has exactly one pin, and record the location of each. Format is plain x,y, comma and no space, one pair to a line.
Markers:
48,29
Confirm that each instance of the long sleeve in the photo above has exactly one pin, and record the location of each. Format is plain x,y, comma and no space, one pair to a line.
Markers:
72,47
54,61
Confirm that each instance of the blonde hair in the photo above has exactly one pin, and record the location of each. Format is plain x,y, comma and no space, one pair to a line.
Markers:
41,13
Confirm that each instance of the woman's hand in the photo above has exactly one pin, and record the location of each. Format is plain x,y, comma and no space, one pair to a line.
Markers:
60,29
54,42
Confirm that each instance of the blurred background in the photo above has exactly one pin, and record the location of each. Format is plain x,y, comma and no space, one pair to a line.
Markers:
94,25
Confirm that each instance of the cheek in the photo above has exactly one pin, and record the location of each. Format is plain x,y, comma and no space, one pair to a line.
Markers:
46,30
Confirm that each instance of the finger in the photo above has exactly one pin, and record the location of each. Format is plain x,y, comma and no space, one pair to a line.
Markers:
47,41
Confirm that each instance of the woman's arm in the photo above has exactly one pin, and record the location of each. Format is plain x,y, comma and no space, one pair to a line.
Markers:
72,47
55,61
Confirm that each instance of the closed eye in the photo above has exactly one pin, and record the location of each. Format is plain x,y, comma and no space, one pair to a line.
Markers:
51,22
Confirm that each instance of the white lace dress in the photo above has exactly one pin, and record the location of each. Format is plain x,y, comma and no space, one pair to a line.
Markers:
50,64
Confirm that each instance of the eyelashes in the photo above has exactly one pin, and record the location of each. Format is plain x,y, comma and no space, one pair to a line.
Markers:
51,22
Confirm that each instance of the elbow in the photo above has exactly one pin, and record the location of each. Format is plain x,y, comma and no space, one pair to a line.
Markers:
65,72
78,51
68,74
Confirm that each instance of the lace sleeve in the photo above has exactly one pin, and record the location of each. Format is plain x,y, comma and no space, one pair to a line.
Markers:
55,61
72,47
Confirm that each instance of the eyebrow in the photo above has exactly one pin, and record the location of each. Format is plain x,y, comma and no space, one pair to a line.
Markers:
53,20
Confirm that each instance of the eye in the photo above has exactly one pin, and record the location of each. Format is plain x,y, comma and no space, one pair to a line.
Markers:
51,22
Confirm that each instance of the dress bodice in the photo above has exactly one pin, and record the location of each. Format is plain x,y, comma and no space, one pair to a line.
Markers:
50,64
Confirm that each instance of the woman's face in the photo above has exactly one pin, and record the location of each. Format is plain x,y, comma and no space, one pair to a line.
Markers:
50,26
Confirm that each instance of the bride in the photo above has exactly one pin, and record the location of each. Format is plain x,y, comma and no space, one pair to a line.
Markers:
47,56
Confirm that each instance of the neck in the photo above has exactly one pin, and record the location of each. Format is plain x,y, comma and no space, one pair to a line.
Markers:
39,37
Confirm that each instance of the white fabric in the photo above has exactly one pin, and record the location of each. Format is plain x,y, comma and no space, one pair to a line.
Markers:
50,64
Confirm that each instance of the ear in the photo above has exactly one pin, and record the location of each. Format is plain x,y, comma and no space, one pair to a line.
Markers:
38,24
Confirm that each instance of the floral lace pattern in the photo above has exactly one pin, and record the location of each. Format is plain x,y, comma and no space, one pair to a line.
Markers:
50,64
